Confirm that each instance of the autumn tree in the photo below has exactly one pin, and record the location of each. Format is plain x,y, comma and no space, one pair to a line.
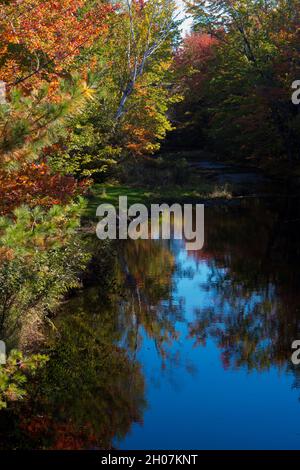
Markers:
40,43
147,25
249,95
40,40
192,72
132,75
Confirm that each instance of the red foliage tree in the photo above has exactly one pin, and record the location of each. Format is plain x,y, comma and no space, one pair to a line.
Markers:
41,39
34,184
191,60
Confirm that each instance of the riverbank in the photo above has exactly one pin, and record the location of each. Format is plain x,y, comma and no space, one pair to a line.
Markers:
206,181
110,193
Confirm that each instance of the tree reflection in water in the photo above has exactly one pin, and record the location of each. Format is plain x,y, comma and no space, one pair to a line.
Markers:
93,389
253,257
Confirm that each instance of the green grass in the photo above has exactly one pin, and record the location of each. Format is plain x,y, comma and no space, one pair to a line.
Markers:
110,193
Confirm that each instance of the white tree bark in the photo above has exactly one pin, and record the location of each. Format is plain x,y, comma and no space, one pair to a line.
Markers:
137,59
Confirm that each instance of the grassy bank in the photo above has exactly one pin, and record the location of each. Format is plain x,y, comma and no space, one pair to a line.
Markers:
110,193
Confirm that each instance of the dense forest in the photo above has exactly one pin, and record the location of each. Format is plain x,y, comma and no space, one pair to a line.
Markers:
95,91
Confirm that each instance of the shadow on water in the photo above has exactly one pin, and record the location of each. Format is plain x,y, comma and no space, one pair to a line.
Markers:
188,350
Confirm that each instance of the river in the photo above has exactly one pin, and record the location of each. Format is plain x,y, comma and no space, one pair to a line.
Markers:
188,350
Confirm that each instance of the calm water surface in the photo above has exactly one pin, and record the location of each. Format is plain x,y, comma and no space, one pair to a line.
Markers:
191,350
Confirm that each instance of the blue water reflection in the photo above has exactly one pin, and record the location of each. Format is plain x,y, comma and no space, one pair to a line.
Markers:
210,394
